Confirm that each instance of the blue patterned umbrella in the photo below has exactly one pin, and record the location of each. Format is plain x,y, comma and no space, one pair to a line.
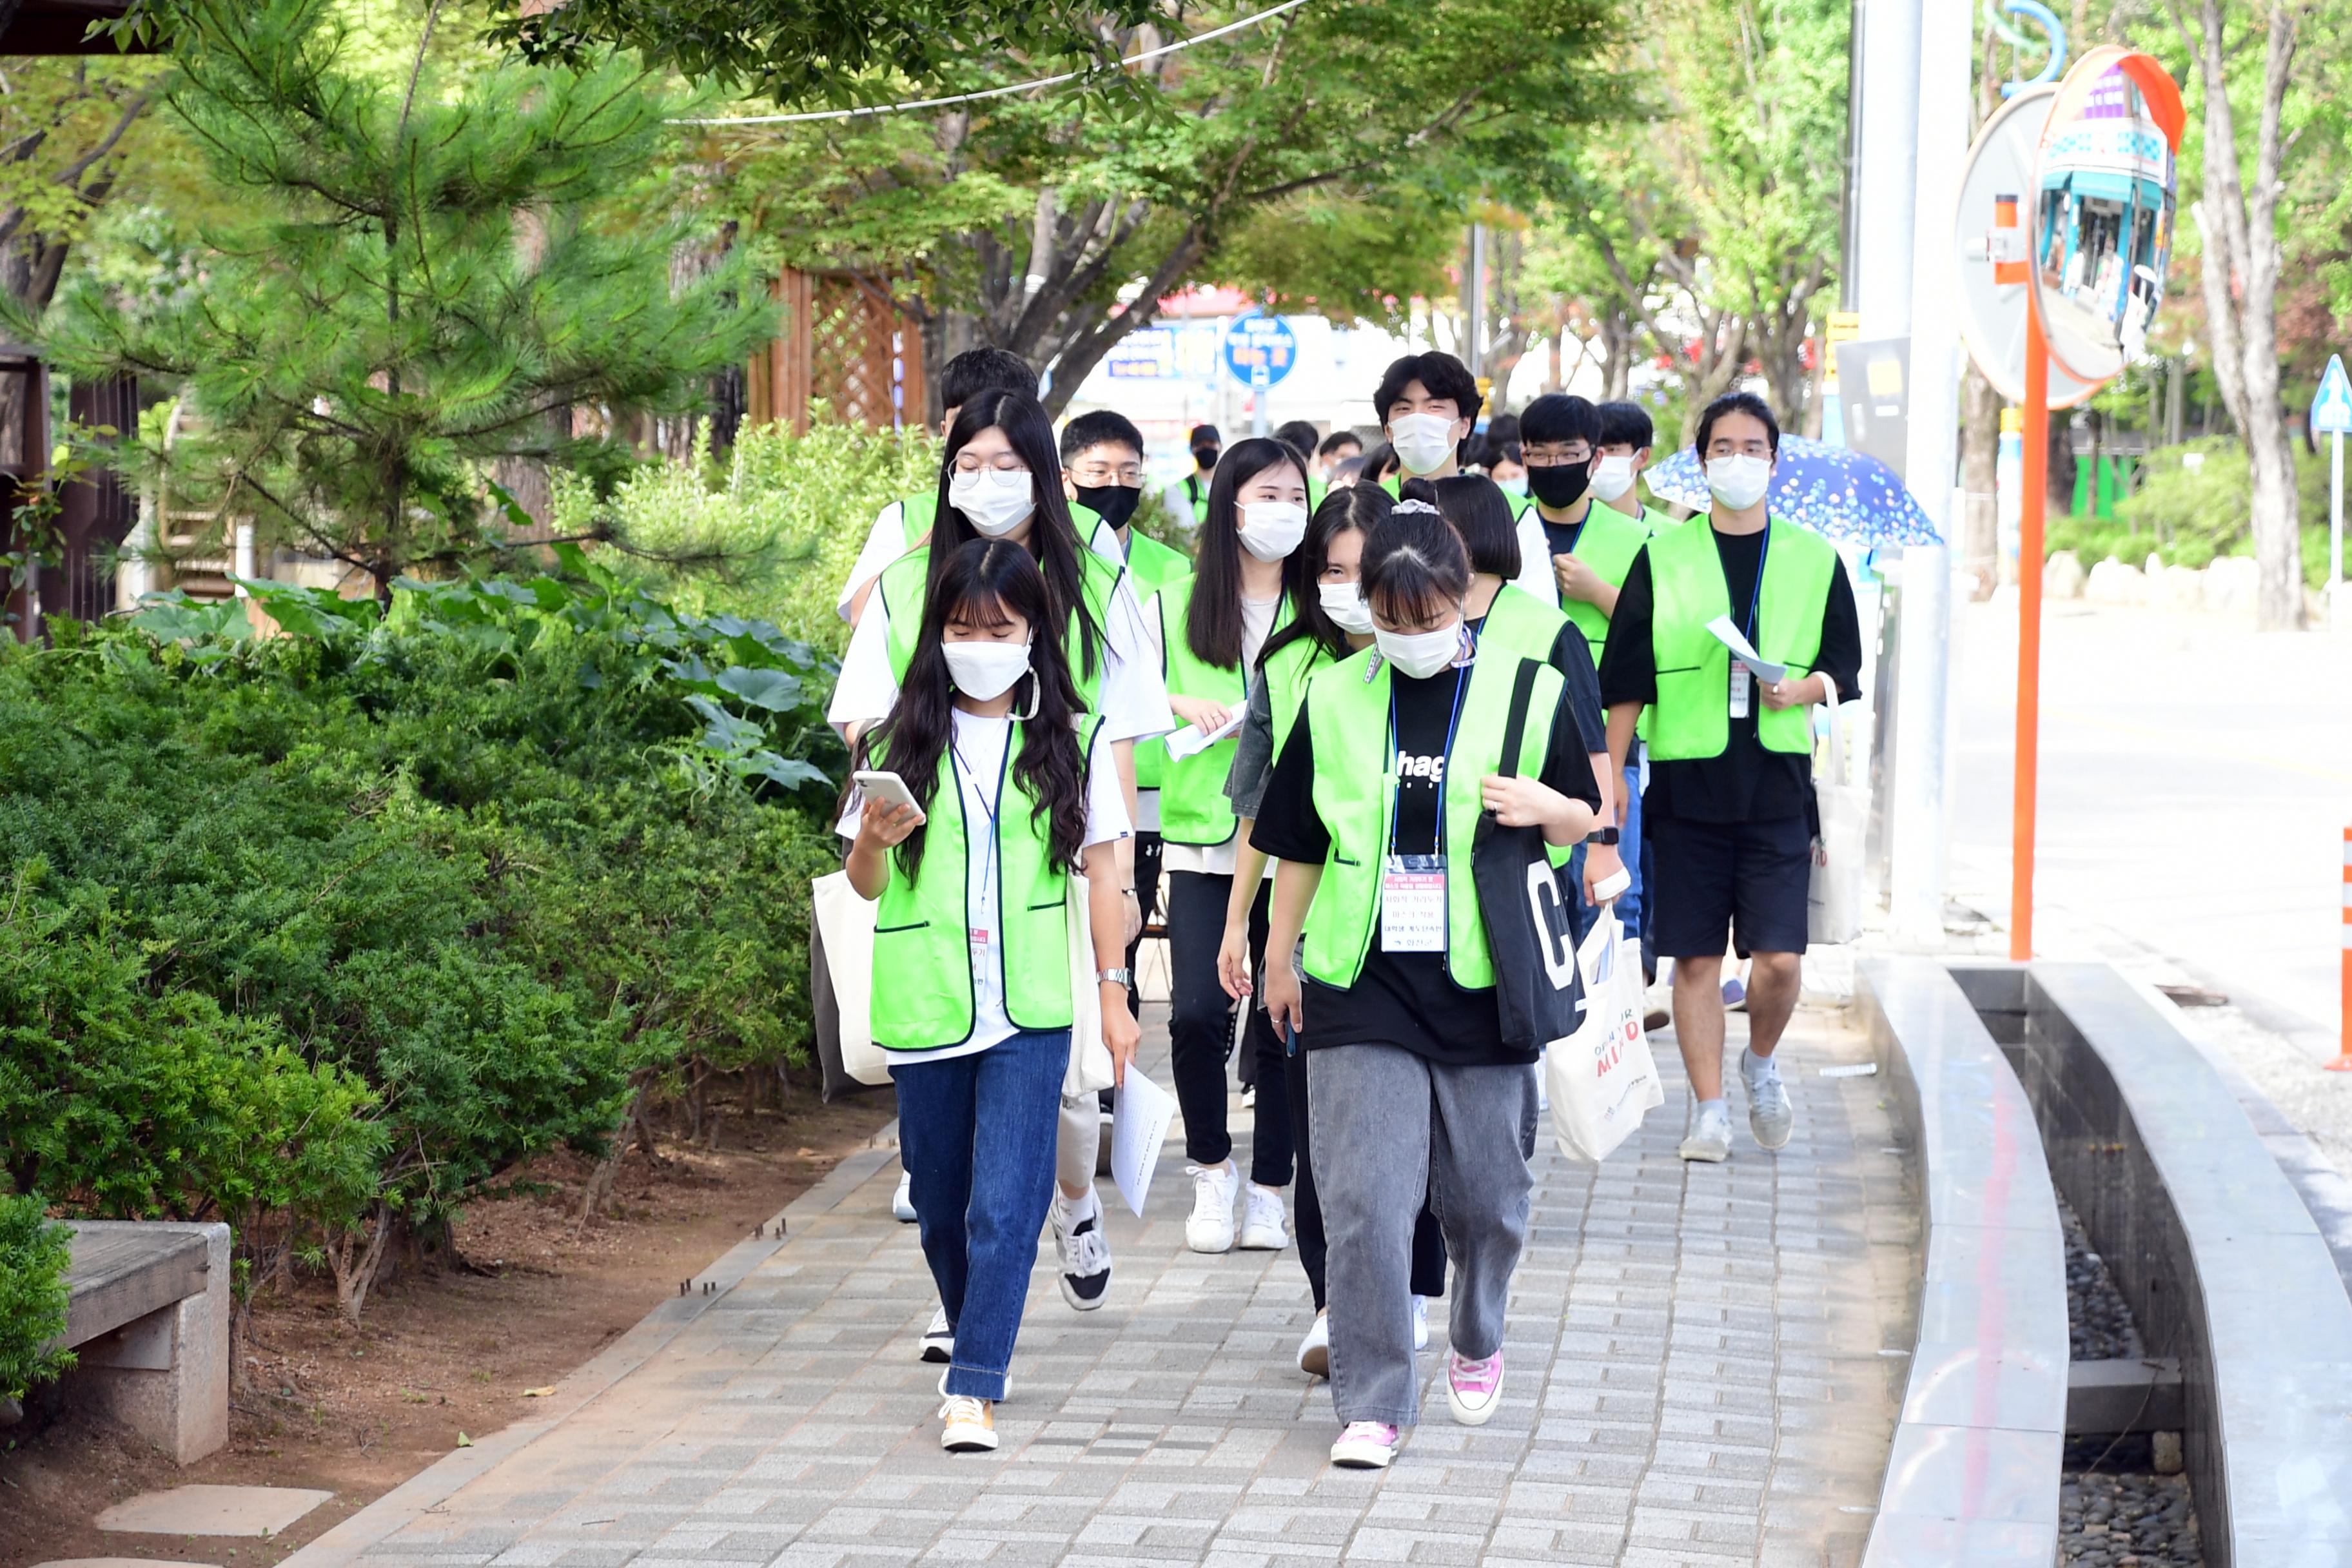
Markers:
1839,494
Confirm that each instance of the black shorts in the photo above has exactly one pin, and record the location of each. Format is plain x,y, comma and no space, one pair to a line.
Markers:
1748,877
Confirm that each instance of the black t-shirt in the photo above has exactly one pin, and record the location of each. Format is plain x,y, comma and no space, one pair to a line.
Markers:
1745,783
1405,999
1559,538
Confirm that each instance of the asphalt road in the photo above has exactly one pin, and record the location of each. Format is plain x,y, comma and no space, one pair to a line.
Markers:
2196,783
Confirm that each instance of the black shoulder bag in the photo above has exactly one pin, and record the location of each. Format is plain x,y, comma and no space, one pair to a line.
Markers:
1537,989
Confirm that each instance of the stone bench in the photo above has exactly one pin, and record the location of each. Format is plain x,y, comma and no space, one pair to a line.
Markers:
148,1323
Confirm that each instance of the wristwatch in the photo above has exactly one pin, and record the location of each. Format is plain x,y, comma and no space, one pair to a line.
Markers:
1115,977
1602,836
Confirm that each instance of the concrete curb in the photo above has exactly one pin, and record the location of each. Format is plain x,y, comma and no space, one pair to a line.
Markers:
438,1481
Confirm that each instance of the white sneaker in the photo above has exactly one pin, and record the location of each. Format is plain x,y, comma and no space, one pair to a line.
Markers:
1365,1445
1421,1323
1083,1248
902,1202
1710,1134
1263,1228
1315,1349
1770,1115
969,1426
938,1339
1215,1187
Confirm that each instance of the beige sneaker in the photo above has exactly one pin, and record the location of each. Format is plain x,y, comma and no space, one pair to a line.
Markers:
969,1426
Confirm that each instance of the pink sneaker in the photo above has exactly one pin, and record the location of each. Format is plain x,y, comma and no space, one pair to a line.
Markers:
1473,1388
1365,1445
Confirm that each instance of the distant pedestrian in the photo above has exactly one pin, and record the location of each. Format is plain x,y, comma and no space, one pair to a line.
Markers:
1729,810
1623,453
1188,497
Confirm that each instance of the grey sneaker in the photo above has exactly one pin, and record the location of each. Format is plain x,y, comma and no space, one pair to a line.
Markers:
1770,1115
1710,1134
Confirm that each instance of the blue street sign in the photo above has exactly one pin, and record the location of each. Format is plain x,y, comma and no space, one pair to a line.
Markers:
2331,410
1259,349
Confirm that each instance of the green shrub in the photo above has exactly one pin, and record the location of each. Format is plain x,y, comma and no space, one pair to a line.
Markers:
774,538
2188,515
34,1253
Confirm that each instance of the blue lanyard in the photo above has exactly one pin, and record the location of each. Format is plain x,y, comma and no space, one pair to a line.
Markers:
990,801
1452,722
1755,600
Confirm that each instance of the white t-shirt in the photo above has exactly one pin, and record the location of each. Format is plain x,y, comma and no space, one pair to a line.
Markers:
1535,559
1134,692
980,766
887,541
1217,859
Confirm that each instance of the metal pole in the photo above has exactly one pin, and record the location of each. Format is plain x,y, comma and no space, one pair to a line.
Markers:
2335,526
2031,503
1474,309
1887,181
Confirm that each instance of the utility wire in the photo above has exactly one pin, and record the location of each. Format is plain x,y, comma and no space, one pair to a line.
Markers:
994,92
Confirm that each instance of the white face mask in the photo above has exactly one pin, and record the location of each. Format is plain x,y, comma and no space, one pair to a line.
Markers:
1613,476
993,501
1271,529
1420,654
1422,441
982,670
1738,482
1517,487
1344,603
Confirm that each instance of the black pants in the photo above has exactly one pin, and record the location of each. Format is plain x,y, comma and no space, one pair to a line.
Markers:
1307,1210
1201,1027
1146,894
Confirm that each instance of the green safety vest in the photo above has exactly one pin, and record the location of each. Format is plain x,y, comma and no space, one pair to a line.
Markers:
1658,522
906,582
1196,491
1316,490
1286,676
1393,484
917,513
1691,717
1607,542
1154,566
1521,623
1193,804
1355,795
922,992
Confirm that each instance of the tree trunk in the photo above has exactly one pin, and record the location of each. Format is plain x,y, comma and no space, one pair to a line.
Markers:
356,1265
1980,463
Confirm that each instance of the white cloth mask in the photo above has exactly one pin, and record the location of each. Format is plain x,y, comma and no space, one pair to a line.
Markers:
1420,654
1271,529
1422,441
982,670
1613,476
993,500
1344,603
1517,487
1739,481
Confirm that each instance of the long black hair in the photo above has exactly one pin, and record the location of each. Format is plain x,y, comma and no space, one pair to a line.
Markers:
1213,626
987,582
1481,514
1358,506
1052,537
1414,564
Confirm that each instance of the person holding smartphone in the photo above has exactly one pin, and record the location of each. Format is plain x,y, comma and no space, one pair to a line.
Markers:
1011,794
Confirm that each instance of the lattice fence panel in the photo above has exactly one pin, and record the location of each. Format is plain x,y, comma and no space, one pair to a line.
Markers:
844,342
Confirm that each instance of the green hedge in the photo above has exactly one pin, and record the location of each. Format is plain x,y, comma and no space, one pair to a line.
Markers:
2189,516
32,1257
318,933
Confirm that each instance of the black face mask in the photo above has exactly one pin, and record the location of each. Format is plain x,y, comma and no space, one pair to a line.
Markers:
1559,485
1115,503
1206,456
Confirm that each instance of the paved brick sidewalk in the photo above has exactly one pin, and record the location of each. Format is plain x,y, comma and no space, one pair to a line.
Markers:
1695,1378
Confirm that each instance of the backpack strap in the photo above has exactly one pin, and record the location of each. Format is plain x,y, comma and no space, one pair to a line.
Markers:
1523,688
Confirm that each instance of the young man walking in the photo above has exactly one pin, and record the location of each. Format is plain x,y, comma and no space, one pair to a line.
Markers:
1729,810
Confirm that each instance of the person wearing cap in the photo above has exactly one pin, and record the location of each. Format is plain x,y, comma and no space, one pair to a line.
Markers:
1729,809
1189,496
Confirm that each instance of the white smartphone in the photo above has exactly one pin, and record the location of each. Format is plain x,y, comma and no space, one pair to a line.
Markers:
886,787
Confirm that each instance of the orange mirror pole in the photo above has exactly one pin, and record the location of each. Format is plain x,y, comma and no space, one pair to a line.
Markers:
2035,482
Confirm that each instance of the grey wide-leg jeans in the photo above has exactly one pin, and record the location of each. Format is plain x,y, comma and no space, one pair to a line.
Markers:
1388,1128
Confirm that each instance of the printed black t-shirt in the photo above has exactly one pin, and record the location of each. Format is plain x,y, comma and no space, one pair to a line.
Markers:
1405,999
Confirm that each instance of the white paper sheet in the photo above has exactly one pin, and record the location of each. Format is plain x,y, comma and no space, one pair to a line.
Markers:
1140,1112
1729,636
1189,741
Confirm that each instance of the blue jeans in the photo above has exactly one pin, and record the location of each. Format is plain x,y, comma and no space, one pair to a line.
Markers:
1630,907
977,1135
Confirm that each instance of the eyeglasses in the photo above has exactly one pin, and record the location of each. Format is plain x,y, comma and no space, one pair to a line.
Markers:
1090,474
1002,463
1552,453
1724,447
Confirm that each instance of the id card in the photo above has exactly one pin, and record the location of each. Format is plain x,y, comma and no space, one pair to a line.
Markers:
983,956
1742,681
1413,904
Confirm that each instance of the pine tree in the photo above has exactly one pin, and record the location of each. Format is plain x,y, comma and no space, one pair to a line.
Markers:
426,278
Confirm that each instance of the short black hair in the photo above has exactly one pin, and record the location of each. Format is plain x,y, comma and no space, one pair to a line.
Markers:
1103,427
1625,424
1502,429
1337,440
1480,513
984,369
1439,375
1559,416
1299,432
1737,403
1380,462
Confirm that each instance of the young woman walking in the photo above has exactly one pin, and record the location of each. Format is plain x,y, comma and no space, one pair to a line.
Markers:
1332,623
1214,626
1413,1092
1012,789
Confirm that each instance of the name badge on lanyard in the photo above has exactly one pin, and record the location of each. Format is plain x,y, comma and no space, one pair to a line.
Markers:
1740,686
1743,679
1413,904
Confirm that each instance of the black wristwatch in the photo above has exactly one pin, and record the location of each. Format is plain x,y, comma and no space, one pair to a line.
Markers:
1602,836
